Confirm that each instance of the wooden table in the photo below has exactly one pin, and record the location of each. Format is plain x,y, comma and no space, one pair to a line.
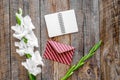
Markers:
97,20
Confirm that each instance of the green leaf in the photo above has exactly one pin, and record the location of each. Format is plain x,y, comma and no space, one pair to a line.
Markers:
25,39
82,61
65,78
71,69
28,56
68,75
97,45
18,18
31,76
93,49
79,65
68,72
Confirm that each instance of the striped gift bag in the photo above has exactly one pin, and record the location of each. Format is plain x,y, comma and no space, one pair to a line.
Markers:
59,52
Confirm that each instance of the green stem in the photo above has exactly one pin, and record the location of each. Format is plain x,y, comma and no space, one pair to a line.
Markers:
18,19
31,76
82,61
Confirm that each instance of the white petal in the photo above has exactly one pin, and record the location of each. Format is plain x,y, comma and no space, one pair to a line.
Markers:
27,20
32,40
21,44
37,58
17,44
20,52
30,50
25,30
14,28
19,36
31,67
36,71
25,65
18,29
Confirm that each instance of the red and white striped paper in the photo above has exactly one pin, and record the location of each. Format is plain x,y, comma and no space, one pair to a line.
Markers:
59,52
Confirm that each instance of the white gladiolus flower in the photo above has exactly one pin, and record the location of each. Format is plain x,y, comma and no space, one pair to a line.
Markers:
32,63
37,58
32,40
28,40
19,31
23,48
21,44
27,20
24,51
31,67
23,29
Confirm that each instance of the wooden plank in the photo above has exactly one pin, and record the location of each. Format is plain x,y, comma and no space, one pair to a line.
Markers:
87,13
57,71
110,34
77,38
5,72
34,12
47,70
90,71
18,71
61,69
29,8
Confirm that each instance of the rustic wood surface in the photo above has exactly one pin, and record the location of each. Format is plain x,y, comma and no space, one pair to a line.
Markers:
97,20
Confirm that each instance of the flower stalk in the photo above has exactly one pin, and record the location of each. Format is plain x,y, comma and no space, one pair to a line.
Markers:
82,61
24,32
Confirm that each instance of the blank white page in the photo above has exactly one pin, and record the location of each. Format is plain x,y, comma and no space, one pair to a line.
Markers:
65,20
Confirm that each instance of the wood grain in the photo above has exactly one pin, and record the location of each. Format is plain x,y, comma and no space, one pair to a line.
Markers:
110,34
96,19
77,38
90,11
5,59
60,69
18,71
34,12
48,69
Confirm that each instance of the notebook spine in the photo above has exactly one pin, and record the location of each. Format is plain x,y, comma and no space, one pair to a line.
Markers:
61,22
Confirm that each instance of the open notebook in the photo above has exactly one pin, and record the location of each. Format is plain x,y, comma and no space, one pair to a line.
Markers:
61,23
